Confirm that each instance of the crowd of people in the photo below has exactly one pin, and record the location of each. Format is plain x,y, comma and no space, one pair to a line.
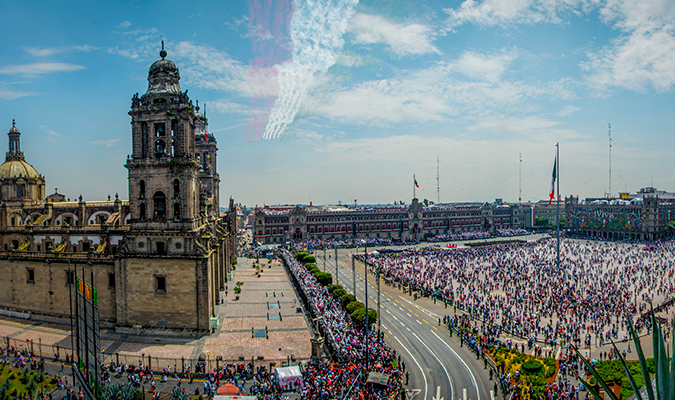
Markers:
348,341
331,243
520,289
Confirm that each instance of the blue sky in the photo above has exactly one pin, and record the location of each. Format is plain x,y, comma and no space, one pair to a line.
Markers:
337,100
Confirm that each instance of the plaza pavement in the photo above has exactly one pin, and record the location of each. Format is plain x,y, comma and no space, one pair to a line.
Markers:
271,293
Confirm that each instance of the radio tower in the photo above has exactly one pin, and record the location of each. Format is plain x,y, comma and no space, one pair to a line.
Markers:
609,133
438,181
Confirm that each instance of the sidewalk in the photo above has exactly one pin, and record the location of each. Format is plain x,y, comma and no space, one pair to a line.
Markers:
284,336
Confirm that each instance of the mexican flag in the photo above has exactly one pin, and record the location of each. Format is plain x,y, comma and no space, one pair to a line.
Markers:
416,185
552,191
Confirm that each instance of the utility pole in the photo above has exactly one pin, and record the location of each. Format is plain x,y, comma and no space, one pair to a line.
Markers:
438,180
337,279
609,133
520,178
365,270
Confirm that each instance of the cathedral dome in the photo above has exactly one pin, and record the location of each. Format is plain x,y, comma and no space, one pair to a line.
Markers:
15,169
163,76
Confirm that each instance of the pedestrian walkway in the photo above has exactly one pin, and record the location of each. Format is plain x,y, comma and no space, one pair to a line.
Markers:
267,305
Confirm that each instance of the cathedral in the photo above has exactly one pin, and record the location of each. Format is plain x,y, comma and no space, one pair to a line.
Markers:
159,260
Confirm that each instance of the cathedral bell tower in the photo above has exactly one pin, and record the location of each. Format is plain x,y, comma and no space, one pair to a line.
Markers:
163,171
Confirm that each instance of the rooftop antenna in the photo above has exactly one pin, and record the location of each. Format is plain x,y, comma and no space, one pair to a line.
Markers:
438,181
609,133
520,178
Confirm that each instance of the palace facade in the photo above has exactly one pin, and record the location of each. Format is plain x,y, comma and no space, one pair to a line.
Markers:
646,215
159,260
277,224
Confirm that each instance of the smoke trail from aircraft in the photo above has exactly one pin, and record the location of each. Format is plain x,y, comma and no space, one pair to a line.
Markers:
316,31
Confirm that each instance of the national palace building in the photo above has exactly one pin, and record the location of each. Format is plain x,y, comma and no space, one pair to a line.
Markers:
648,215
277,224
158,260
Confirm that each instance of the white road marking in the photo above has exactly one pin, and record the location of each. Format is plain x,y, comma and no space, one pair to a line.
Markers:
452,387
418,366
473,379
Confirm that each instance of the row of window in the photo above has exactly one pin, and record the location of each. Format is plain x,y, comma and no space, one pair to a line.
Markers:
160,280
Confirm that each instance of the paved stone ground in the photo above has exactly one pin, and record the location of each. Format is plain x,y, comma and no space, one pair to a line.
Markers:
287,337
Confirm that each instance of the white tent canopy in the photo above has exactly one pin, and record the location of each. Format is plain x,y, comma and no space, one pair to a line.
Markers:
288,377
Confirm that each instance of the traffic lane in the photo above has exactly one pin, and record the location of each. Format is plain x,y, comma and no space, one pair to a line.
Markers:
398,325
431,371
473,377
418,354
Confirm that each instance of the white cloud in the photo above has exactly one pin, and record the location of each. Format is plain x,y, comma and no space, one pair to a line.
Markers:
532,127
49,131
40,68
440,92
124,25
209,68
106,143
484,66
227,107
316,31
50,51
643,56
402,39
9,93
567,110
509,12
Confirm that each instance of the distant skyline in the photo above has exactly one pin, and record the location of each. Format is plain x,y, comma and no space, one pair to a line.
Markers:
348,99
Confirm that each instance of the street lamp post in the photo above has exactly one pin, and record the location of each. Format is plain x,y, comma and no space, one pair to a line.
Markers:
337,279
365,270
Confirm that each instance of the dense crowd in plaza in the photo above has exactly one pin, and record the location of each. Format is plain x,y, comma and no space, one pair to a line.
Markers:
519,289
331,243
333,380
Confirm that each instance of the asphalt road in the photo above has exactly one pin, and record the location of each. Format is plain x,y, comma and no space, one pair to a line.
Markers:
439,367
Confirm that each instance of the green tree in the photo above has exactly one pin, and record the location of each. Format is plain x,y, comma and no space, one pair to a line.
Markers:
324,278
359,316
346,299
541,221
353,306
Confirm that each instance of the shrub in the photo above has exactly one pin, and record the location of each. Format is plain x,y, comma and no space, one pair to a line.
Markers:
532,367
324,278
353,306
309,259
339,293
347,298
301,255
333,287
359,316
310,265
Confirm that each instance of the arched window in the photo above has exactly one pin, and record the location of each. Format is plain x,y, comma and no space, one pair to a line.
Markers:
159,200
142,211
159,130
176,187
176,210
160,148
141,187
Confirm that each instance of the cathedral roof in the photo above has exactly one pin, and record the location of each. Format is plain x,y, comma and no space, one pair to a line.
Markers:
163,76
16,169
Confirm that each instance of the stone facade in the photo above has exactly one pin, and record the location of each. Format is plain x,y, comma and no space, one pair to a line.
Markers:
415,222
649,217
158,260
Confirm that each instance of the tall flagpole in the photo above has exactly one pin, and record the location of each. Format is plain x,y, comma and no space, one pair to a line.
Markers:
557,178
414,180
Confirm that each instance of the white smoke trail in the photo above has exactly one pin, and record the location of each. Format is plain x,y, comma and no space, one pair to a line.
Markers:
316,32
